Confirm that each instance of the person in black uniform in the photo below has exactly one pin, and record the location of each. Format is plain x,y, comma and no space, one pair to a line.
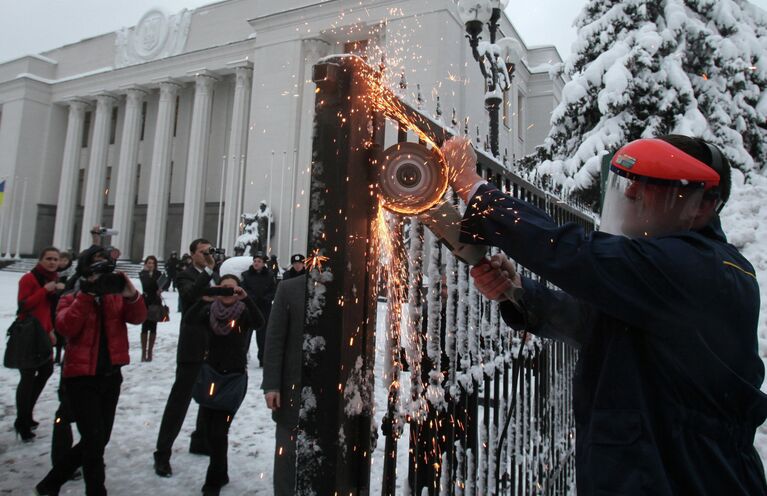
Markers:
258,281
297,267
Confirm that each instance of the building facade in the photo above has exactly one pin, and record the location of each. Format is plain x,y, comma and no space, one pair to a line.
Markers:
169,130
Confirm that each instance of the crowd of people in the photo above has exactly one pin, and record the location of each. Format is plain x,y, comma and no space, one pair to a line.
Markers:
84,306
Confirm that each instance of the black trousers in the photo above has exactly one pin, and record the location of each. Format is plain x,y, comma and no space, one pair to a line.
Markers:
30,386
284,473
217,435
93,400
175,411
261,342
62,440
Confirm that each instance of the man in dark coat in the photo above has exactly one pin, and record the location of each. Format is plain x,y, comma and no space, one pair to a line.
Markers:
171,268
282,376
192,284
666,391
258,282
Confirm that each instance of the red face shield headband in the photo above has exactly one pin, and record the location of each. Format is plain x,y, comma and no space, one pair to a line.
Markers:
661,161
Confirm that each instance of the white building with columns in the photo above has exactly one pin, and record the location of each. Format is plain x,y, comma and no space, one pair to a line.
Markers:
169,130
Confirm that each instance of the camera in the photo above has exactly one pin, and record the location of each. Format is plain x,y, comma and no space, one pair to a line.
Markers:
106,283
106,231
110,283
219,292
218,254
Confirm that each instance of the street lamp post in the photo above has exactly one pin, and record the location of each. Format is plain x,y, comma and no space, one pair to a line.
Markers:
494,64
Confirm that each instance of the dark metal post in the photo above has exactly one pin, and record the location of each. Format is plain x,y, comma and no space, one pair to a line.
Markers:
334,445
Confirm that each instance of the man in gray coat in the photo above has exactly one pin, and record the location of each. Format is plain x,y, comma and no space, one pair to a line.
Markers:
282,376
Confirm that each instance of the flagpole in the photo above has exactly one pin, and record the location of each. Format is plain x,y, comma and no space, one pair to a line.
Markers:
293,199
269,206
10,225
282,203
21,217
2,212
220,200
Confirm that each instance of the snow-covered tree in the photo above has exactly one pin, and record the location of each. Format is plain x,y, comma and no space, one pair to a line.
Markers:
643,68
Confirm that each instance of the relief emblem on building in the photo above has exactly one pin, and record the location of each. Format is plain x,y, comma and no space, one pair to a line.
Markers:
156,36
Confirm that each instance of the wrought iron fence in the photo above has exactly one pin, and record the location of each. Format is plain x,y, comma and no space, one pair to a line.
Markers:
487,409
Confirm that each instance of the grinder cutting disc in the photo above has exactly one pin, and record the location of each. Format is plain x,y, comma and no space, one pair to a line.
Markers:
412,178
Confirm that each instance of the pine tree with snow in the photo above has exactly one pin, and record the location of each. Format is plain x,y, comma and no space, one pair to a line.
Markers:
643,68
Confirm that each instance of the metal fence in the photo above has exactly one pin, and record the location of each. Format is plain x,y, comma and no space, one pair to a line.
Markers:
487,410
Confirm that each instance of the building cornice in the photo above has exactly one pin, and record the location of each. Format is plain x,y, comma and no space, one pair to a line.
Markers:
179,68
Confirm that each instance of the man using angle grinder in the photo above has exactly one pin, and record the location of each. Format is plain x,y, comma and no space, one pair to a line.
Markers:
663,310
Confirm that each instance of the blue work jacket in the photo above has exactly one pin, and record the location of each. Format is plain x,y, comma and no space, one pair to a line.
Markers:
666,392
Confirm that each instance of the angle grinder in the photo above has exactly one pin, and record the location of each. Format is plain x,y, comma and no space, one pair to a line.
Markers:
413,180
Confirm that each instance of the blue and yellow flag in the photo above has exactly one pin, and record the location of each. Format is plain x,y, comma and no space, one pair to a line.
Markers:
2,191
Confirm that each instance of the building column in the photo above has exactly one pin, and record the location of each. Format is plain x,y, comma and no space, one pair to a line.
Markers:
70,165
159,178
93,200
235,163
125,187
199,138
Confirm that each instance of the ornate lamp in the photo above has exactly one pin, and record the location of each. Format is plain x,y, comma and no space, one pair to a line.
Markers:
475,14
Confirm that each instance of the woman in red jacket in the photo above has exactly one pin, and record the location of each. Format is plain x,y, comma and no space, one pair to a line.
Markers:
37,290
93,320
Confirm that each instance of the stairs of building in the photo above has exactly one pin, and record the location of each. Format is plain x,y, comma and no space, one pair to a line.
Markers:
22,265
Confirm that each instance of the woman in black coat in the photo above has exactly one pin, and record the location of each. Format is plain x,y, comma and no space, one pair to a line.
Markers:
149,287
227,323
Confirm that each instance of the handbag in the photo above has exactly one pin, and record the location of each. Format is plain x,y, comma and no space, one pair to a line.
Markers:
28,346
165,313
156,312
217,391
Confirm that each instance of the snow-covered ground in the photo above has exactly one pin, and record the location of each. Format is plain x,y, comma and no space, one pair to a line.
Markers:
144,391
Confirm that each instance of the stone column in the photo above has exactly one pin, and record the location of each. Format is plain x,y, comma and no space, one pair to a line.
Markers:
93,198
238,145
70,165
125,187
159,179
199,137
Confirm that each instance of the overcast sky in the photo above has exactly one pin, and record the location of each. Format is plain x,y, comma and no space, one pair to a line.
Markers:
33,26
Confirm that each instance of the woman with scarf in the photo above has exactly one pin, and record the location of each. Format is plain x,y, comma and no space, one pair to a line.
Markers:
227,321
37,295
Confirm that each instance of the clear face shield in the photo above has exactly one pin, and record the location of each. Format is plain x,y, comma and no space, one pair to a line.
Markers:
637,206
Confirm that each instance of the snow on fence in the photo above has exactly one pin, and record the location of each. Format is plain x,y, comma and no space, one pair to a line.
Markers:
487,410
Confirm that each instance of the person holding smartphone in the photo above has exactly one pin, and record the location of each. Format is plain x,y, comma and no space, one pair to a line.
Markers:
227,322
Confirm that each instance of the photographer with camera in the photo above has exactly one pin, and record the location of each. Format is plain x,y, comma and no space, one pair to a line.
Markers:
192,285
93,319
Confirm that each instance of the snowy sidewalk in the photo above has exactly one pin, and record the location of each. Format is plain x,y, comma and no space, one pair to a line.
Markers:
129,453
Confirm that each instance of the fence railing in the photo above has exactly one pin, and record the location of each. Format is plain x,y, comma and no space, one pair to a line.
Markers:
486,410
